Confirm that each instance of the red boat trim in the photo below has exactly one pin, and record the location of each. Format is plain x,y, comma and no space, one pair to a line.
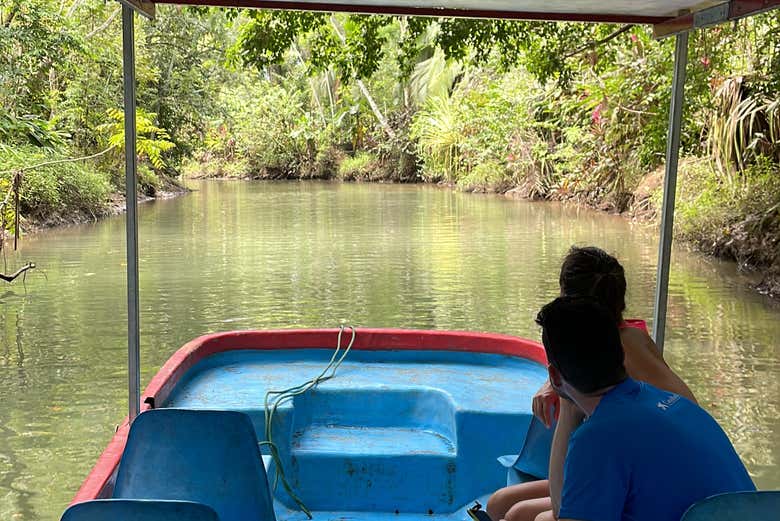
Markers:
99,483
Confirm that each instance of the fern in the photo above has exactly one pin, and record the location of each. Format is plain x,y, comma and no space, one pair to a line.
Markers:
151,141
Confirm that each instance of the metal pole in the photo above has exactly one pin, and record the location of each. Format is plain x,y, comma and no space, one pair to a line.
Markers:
131,203
670,188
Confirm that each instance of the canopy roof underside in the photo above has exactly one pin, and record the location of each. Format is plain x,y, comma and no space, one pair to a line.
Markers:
622,11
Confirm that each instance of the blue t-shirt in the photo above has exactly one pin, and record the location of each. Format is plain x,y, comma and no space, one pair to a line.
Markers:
647,455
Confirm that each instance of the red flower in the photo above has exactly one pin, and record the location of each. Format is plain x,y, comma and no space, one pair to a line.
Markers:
597,117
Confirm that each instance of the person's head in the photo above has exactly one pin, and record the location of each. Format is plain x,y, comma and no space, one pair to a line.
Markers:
583,345
592,272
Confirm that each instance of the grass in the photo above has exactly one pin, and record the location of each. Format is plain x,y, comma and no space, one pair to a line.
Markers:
360,167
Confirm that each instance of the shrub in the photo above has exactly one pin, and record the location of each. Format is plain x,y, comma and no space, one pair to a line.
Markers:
485,177
55,190
741,223
360,167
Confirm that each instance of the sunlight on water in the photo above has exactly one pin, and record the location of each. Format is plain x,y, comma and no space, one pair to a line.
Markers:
278,255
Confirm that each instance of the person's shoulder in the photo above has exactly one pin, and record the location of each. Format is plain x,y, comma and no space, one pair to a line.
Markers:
637,337
603,427
637,340
629,404
662,406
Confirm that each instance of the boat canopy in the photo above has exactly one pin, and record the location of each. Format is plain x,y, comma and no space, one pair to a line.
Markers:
668,17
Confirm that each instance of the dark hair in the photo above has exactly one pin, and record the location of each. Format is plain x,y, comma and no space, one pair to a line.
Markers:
592,272
582,341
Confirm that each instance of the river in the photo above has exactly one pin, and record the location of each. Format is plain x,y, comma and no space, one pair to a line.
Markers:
238,255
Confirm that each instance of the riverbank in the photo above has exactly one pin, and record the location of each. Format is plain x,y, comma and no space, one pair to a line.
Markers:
115,206
740,224
54,188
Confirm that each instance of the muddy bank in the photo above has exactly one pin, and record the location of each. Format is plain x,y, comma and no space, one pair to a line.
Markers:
115,206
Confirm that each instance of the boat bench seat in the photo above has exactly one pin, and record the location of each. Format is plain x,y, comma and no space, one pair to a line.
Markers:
367,440
139,510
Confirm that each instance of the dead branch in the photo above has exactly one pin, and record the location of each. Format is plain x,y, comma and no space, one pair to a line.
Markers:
105,24
597,43
10,278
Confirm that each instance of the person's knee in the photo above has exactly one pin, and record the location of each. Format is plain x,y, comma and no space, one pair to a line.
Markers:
524,511
499,503
545,516
505,498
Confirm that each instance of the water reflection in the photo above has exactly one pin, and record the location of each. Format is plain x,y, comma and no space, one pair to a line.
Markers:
245,255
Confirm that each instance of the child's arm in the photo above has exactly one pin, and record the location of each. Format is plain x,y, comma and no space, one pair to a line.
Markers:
643,362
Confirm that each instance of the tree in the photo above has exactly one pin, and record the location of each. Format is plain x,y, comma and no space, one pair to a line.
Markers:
548,50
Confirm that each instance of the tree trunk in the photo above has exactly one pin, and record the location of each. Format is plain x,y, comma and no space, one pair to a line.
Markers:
364,90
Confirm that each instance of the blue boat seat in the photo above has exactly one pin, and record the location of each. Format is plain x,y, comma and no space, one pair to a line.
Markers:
211,457
534,458
138,510
736,506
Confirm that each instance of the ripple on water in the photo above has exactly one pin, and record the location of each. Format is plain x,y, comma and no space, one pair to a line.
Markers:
275,255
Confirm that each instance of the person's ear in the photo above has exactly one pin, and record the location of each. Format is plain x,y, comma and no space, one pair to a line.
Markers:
555,376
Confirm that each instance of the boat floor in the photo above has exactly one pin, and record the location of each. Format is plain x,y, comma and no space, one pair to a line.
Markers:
284,513
399,434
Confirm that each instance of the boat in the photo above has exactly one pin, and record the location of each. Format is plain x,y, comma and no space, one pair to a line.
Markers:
393,425
408,424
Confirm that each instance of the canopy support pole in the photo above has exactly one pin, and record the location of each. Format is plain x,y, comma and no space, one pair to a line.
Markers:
131,204
670,188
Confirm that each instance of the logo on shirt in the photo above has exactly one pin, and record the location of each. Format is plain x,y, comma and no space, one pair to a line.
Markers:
665,404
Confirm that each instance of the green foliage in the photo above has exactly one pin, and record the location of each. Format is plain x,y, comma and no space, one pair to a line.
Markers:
7,209
546,49
60,64
29,32
29,129
437,130
183,52
270,132
743,129
360,167
481,123
266,36
151,141
57,190
485,176
353,44
275,132
741,223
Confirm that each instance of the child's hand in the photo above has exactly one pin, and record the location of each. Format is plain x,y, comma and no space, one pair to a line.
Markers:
545,404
